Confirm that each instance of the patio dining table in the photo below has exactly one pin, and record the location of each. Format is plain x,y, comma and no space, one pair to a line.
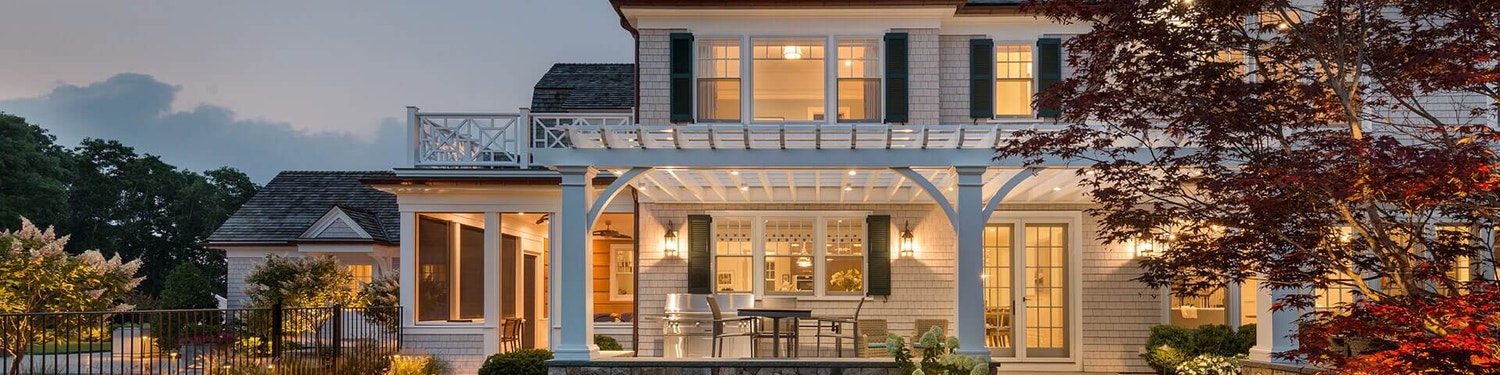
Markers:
776,314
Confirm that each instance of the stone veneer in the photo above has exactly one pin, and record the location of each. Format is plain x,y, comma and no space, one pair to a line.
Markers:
1248,367
650,366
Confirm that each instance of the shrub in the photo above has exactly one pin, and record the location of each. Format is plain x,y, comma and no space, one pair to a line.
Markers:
520,362
1169,348
937,356
1211,364
607,343
383,294
187,288
418,365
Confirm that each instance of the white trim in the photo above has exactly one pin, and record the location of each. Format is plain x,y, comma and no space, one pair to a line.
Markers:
1074,280
819,254
334,215
614,271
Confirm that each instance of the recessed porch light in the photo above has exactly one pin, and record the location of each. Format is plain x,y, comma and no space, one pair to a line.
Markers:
1057,188
744,187
851,173
734,172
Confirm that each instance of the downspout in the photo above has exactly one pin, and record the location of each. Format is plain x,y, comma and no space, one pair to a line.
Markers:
634,34
635,303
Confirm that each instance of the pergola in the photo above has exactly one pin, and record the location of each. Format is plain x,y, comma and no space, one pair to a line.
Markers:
953,166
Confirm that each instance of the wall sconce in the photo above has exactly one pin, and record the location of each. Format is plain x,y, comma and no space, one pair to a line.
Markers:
908,250
669,240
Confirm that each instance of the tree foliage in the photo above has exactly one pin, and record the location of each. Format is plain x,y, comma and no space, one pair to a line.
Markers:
40,276
187,288
1345,146
108,197
314,281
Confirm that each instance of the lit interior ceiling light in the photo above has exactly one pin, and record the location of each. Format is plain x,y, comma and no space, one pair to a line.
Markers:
791,52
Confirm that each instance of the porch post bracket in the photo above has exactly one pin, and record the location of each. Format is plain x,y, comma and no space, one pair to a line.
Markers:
1023,175
932,190
604,197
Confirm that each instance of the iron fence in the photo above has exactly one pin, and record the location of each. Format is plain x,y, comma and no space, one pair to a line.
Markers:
276,340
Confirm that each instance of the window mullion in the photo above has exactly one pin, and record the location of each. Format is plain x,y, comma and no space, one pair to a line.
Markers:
758,255
820,254
454,233
830,81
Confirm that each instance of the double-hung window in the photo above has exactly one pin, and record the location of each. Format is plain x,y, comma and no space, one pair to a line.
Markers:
789,253
719,80
859,80
1013,80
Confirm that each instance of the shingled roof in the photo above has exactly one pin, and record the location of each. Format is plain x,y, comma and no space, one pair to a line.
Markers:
571,87
294,200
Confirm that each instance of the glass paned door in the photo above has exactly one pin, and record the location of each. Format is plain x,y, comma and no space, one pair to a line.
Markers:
999,299
1046,293
1026,310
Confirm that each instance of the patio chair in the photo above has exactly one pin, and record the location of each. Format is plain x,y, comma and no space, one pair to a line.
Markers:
838,329
748,325
510,334
871,339
997,327
924,325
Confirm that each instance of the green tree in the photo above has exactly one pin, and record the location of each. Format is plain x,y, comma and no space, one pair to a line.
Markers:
296,282
187,288
35,181
40,276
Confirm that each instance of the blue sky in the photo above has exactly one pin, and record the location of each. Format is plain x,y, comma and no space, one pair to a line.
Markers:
266,86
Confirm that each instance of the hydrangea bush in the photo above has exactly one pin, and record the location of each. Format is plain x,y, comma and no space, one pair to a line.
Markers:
938,357
1211,364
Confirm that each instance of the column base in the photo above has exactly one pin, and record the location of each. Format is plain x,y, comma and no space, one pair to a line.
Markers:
981,352
576,353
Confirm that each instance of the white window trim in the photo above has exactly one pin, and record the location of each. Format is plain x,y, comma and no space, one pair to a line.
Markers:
830,76
994,79
758,251
455,273
614,271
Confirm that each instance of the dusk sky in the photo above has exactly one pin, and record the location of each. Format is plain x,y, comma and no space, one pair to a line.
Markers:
266,86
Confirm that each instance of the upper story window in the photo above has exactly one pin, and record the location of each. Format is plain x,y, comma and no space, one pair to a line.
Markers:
1013,84
788,80
719,80
859,80
819,79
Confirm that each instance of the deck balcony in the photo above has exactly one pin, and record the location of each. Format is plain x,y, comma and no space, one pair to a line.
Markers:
523,140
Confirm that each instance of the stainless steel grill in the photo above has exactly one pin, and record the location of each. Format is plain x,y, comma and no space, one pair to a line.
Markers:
688,325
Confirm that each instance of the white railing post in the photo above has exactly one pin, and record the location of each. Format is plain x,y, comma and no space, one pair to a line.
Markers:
524,144
413,136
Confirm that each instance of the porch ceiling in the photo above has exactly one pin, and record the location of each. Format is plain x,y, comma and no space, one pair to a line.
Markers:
694,185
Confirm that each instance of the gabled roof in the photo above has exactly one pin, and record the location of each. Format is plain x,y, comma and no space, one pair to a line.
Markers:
295,200
569,87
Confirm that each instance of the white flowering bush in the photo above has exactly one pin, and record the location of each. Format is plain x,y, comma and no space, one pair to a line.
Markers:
38,275
938,357
1211,364
297,283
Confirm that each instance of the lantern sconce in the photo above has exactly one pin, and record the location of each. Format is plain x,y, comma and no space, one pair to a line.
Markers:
1144,249
908,250
669,241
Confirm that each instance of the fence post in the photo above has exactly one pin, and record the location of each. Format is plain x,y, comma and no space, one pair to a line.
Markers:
276,329
338,336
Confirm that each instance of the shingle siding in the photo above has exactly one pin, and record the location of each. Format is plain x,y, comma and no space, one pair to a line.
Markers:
654,55
953,71
463,352
923,76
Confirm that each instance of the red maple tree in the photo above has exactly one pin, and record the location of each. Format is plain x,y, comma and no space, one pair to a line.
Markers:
1319,149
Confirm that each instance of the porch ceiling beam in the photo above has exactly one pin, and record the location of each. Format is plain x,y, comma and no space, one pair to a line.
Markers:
651,177
714,186
870,185
937,195
765,184
895,187
738,182
769,158
697,193
791,182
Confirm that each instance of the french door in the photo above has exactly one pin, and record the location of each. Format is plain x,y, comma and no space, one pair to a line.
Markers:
1026,290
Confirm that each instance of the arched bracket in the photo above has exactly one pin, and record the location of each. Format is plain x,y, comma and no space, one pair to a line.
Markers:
994,202
932,190
604,197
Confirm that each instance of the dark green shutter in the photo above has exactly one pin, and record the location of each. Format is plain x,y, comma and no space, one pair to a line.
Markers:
981,78
896,67
699,258
682,77
878,234
1049,70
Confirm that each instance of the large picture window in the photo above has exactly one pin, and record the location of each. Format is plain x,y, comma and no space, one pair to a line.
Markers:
790,253
1013,80
788,80
450,267
719,80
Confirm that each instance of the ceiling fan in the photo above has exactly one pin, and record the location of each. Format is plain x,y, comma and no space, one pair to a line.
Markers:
610,233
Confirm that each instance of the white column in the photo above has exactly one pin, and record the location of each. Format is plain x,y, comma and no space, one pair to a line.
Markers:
492,274
408,268
970,261
1233,316
575,339
1274,330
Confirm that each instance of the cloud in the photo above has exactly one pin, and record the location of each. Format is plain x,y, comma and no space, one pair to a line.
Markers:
136,110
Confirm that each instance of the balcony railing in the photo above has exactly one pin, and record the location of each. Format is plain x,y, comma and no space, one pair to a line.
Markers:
503,140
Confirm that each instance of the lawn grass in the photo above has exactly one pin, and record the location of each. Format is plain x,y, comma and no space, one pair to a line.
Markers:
68,348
